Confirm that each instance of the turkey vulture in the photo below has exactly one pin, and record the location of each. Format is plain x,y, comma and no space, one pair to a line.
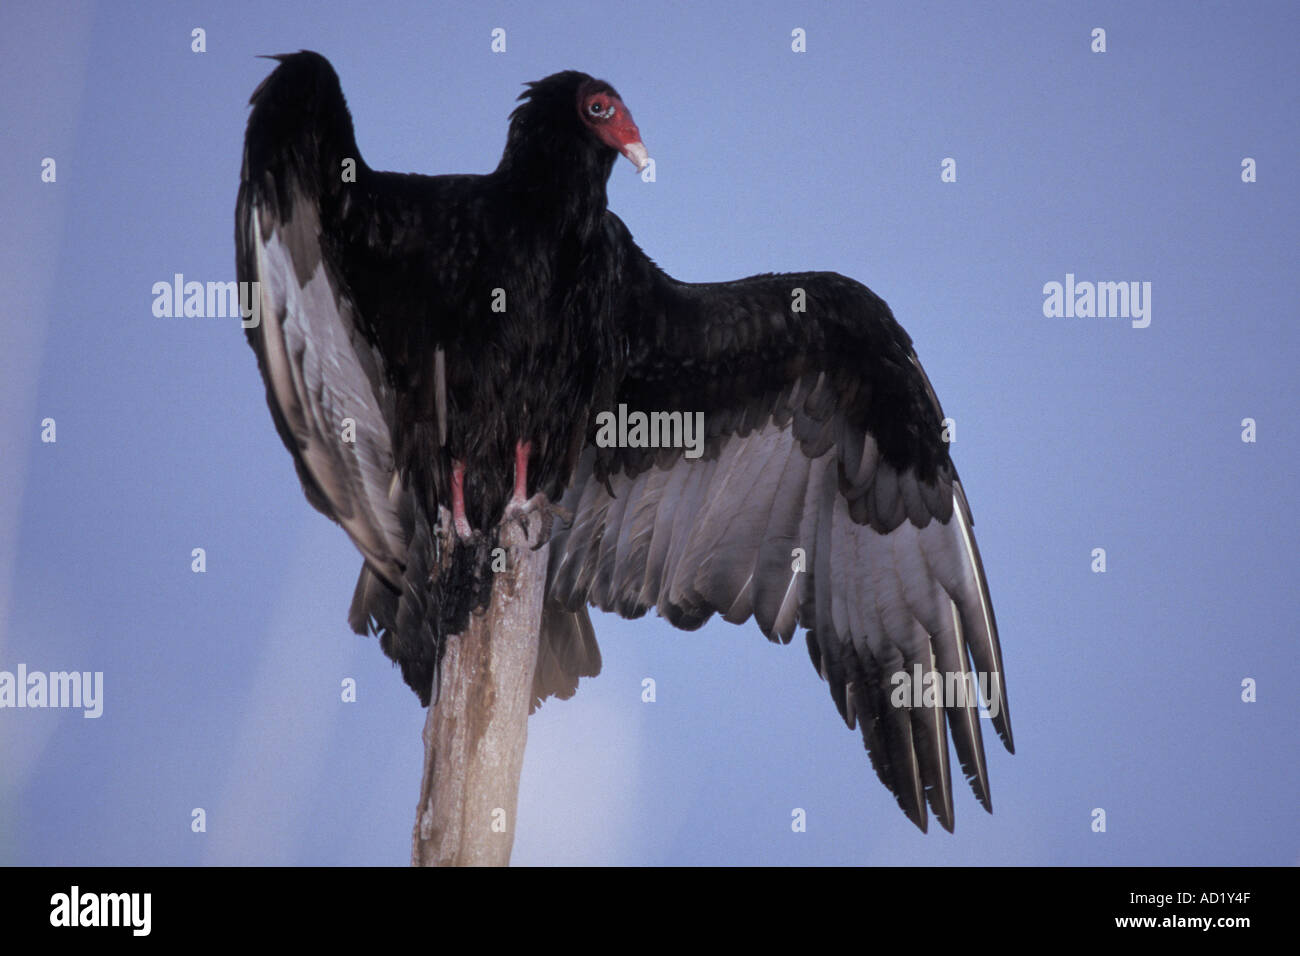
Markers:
477,330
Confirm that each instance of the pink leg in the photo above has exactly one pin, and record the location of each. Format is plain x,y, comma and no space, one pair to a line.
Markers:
522,450
458,500
521,507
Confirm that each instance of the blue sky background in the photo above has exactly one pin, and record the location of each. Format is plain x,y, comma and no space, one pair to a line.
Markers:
222,689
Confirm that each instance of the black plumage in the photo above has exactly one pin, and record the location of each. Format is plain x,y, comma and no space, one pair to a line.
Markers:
823,435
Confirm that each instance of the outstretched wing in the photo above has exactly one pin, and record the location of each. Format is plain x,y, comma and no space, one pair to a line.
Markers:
823,497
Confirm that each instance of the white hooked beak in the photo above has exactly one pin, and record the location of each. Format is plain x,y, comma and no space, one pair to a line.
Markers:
639,155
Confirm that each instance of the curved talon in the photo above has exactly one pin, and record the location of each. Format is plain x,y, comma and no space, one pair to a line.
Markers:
547,512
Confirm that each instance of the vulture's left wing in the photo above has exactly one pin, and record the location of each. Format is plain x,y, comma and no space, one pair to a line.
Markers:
823,497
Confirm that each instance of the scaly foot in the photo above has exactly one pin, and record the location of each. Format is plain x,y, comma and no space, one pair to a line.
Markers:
546,512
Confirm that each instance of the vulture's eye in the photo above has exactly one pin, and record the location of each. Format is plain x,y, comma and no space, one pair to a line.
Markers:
595,109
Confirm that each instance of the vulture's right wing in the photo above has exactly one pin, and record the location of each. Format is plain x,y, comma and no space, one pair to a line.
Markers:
325,383
349,308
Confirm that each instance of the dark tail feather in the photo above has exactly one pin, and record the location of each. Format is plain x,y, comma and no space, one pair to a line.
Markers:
439,592
566,651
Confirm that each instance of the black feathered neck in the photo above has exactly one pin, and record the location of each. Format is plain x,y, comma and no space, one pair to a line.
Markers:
552,161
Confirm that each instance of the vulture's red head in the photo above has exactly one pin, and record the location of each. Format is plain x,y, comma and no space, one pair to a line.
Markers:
604,114
571,111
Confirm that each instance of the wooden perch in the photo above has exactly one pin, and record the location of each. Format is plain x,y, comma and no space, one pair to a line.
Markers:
474,736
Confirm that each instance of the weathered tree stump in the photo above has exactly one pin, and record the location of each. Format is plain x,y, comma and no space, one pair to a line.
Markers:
474,736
